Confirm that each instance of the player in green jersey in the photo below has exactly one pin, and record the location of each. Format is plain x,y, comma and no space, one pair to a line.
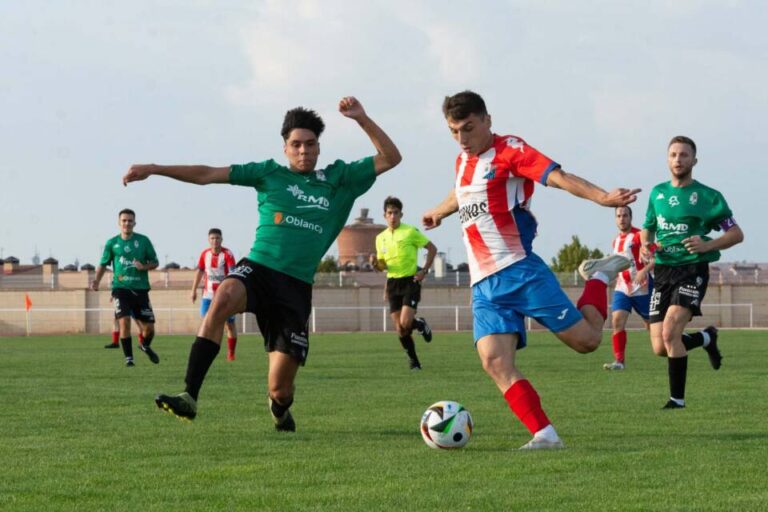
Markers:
301,210
681,213
132,256
397,251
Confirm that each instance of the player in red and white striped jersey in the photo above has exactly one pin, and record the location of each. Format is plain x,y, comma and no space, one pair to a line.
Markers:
212,267
633,286
494,183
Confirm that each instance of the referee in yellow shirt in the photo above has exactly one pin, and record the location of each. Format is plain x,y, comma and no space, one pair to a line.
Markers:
397,251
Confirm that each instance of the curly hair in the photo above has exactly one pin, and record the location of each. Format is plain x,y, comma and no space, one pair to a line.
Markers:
301,117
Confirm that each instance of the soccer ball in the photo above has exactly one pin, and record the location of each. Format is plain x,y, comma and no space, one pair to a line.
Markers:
446,425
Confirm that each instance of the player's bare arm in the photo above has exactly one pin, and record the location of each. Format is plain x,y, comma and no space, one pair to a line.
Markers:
646,241
580,187
152,265
387,155
377,264
432,218
696,245
195,284
431,253
196,174
97,278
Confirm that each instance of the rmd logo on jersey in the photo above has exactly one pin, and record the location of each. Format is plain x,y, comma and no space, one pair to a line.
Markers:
471,211
677,229
298,222
319,202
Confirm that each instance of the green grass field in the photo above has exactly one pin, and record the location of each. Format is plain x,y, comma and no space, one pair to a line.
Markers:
80,431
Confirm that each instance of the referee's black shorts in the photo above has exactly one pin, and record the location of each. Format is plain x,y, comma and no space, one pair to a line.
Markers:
403,291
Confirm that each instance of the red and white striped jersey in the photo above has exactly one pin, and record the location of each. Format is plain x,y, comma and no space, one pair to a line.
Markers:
494,192
628,245
215,268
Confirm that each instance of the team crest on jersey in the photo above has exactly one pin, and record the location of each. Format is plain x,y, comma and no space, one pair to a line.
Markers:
515,143
693,199
491,172
320,175
674,201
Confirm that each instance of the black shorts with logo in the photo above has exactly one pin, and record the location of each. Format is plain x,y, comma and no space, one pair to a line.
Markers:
282,305
683,285
133,303
403,291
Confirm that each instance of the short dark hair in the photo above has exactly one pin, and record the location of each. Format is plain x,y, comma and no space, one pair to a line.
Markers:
214,231
625,206
462,105
393,201
683,140
301,117
127,211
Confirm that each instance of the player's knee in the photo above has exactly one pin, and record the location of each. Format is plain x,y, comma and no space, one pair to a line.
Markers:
281,394
493,365
588,344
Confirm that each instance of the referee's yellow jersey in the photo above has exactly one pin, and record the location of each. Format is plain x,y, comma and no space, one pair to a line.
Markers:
399,249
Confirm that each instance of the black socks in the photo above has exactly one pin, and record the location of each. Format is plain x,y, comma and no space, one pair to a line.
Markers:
678,371
201,356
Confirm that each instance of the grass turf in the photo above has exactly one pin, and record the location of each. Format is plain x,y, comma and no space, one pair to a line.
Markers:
81,432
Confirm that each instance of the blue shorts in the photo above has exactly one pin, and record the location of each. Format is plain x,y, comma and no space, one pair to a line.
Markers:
623,302
501,301
205,304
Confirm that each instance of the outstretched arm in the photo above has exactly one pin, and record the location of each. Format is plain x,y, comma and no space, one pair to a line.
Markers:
432,218
580,187
197,174
387,155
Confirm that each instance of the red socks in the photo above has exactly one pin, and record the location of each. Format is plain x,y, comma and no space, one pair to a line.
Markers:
231,344
594,294
115,337
619,345
525,403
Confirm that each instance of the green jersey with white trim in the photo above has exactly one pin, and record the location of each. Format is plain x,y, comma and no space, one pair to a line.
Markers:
300,214
676,213
121,254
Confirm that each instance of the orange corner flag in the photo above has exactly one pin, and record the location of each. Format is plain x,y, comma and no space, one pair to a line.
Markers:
27,302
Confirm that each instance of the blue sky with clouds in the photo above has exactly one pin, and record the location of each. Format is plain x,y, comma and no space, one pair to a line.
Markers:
89,87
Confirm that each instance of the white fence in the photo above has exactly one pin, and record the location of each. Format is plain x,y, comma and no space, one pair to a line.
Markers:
43,321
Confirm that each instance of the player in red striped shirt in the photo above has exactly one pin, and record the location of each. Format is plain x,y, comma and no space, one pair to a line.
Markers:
494,183
212,267
633,286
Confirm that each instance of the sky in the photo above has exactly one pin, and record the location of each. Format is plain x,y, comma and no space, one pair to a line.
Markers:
88,88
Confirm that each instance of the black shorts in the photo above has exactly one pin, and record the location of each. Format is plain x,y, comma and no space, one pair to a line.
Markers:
133,303
403,291
282,305
684,285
